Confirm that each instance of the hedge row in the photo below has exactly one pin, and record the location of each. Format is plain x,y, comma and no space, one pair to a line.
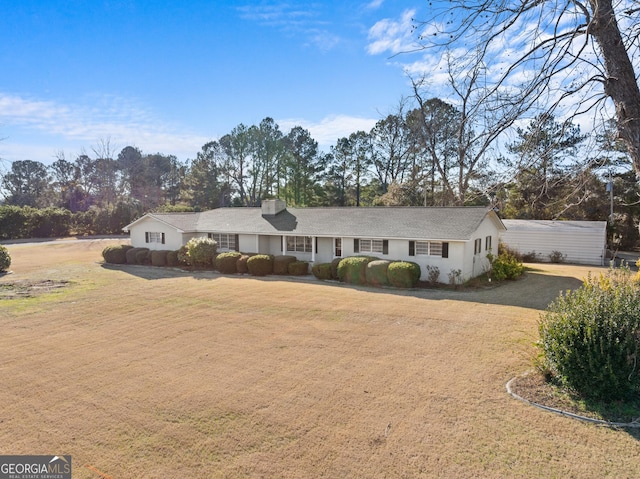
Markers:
369,270
17,222
226,263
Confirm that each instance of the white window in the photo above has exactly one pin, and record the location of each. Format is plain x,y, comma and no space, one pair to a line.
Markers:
154,237
430,248
338,245
487,243
299,244
371,246
225,241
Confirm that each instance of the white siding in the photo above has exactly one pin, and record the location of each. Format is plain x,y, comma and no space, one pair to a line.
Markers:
583,242
172,238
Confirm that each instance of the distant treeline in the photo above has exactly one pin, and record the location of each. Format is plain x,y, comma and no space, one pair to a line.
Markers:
17,222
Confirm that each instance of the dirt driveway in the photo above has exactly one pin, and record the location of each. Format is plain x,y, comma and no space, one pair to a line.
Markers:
141,372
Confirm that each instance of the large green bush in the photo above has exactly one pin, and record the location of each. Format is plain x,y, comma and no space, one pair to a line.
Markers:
5,259
376,273
260,265
322,271
403,274
116,254
201,251
226,263
590,337
353,269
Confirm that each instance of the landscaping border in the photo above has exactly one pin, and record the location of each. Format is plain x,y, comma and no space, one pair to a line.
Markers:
600,422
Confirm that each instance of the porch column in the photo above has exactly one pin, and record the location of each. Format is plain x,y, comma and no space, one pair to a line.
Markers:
313,248
257,243
284,244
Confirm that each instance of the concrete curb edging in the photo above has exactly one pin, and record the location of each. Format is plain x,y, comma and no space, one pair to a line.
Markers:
600,422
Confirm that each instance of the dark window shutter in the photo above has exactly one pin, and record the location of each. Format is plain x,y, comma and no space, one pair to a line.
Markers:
146,236
385,246
162,238
412,248
316,239
238,243
356,245
281,240
445,250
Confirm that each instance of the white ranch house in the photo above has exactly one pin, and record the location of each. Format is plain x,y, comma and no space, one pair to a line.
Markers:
449,238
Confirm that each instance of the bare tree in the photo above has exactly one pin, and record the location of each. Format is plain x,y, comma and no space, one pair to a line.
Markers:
546,51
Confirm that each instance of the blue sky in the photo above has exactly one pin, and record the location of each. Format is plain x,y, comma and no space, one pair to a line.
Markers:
168,76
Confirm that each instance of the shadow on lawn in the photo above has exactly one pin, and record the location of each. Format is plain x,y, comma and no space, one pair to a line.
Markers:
535,290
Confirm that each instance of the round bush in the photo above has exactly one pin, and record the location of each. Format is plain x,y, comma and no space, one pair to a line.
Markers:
403,274
132,254
298,268
590,337
260,265
143,256
201,251
159,257
281,264
226,263
376,272
353,270
172,258
5,259
116,254
322,271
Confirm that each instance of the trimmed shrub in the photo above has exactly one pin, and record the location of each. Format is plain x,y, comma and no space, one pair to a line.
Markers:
241,265
334,268
281,264
322,271
227,262
201,251
159,257
5,259
557,257
116,254
376,272
132,254
403,274
260,265
298,268
172,258
353,270
590,337
143,256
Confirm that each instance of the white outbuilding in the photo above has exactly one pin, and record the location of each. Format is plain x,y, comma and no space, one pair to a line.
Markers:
580,242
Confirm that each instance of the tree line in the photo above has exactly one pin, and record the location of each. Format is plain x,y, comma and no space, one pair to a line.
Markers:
428,155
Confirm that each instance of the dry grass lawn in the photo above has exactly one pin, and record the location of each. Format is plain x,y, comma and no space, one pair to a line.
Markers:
142,372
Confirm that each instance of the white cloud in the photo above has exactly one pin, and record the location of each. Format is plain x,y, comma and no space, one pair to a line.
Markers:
328,130
26,124
374,4
393,36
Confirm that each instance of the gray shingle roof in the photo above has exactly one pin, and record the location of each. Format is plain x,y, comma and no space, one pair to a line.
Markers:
447,223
